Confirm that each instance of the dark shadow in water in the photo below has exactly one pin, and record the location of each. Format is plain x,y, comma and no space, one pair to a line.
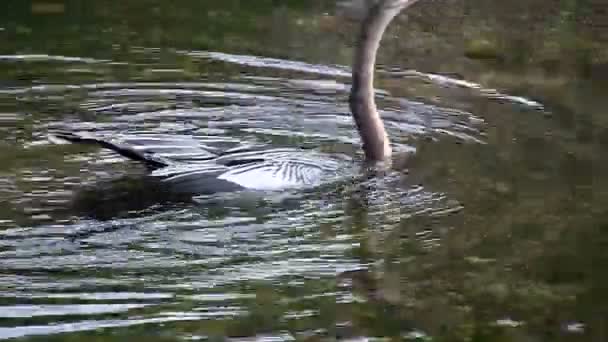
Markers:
123,197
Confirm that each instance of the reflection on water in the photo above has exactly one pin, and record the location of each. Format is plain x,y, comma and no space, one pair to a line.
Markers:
481,230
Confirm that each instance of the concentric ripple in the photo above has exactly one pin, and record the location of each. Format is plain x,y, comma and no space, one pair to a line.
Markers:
87,243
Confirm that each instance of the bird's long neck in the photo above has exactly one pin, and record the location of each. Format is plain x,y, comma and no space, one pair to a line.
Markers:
376,143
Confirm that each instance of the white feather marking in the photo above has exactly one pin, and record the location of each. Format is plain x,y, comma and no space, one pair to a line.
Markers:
273,176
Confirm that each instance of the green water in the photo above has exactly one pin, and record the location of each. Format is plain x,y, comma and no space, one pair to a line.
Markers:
492,225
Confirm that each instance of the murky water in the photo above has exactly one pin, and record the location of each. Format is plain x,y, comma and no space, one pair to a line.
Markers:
490,225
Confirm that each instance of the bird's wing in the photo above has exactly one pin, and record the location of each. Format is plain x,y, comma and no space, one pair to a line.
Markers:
154,150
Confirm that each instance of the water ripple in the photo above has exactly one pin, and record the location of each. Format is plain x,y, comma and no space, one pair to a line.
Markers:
85,235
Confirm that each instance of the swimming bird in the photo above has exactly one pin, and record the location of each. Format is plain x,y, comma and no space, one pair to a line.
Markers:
190,166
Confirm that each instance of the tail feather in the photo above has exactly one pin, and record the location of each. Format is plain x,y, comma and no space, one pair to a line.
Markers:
124,150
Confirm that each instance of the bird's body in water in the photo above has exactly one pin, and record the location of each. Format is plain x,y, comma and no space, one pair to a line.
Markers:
193,167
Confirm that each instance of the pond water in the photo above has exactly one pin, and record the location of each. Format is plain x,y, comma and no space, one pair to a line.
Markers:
490,226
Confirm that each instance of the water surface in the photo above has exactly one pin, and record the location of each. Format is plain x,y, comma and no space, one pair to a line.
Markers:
490,225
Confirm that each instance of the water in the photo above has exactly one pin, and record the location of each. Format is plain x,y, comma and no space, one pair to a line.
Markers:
490,224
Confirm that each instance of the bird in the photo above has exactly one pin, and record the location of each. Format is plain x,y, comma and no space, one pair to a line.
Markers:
193,167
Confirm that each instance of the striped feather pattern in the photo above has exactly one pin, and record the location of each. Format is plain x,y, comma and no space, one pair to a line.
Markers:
190,165
267,170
